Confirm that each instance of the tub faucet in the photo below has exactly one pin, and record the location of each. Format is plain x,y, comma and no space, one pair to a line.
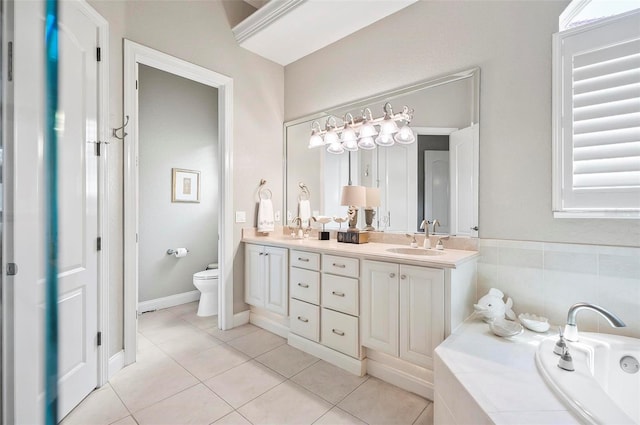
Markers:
571,329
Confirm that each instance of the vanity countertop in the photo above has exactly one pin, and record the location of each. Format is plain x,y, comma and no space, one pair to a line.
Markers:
500,376
450,258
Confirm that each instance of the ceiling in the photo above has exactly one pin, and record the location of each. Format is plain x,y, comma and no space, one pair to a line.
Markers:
287,30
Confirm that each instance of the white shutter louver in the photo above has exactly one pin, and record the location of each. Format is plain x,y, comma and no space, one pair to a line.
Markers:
597,134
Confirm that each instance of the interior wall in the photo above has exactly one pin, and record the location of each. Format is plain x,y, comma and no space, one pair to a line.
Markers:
511,43
178,128
198,32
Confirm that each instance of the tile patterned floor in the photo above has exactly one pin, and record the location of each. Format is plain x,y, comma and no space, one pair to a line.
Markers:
190,372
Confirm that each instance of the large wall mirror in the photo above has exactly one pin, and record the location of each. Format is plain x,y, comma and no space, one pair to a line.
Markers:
434,178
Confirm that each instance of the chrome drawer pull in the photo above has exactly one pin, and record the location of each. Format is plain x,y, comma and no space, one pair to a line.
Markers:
342,266
392,275
338,294
337,332
303,319
303,285
306,260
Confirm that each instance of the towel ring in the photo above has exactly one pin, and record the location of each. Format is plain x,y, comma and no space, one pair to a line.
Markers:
305,195
263,192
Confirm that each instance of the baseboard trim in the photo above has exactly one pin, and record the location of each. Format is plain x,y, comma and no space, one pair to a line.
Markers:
116,363
241,318
400,378
170,301
269,325
350,364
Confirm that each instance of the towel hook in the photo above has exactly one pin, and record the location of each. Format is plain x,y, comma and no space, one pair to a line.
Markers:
305,195
114,133
263,192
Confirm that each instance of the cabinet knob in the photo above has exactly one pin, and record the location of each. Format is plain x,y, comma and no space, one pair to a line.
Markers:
305,260
403,276
338,294
392,275
303,285
262,253
337,332
475,228
303,319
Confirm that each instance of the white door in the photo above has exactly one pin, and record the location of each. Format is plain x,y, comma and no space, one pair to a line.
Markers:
464,157
397,171
436,188
277,273
254,275
379,307
421,313
78,215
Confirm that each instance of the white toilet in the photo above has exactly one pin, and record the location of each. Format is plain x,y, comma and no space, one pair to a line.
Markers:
207,283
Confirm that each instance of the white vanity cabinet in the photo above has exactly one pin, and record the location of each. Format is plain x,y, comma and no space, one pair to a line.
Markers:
402,310
266,281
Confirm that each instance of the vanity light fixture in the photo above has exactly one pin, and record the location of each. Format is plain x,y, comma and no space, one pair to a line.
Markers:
360,132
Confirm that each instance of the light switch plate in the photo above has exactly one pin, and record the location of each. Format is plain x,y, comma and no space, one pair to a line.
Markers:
241,217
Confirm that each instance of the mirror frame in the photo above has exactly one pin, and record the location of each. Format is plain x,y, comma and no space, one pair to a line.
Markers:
473,73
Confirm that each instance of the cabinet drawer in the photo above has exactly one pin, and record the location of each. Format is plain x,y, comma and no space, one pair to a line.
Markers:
340,293
305,260
340,265
305,285
340,332
304,320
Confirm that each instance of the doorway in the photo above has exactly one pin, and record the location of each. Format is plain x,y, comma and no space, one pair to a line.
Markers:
136,57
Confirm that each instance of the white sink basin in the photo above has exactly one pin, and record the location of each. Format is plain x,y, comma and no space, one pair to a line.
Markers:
599,391
414,251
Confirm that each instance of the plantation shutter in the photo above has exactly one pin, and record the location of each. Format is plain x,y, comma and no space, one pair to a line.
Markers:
597,137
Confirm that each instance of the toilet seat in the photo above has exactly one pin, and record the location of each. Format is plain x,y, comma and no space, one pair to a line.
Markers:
206,274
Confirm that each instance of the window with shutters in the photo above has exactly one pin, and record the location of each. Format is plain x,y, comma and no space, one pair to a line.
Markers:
596,118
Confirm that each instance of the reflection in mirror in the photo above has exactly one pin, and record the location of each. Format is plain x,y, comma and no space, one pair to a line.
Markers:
434,178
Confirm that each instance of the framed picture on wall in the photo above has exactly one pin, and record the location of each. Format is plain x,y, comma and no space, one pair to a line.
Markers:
185,185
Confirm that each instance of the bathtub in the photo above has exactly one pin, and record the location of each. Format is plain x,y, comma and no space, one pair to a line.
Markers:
599,391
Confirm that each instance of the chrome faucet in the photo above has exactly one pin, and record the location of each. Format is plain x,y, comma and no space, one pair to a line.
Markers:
571,329
435,223
425,226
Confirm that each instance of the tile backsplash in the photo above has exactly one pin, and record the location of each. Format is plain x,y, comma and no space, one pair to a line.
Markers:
547,278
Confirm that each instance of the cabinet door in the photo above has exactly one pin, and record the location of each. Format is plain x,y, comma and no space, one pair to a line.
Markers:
421,313
379,306
277,280
254,275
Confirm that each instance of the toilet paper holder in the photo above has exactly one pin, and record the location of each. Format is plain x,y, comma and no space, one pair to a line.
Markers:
171,251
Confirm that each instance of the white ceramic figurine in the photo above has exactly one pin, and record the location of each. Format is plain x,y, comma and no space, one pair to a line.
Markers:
492,307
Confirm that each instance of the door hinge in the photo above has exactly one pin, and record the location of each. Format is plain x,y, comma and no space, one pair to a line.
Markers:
99,54
10,61
12,269
99,244
98,148
99,339
136,84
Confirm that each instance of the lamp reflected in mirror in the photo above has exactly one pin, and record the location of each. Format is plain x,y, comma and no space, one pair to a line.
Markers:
353,197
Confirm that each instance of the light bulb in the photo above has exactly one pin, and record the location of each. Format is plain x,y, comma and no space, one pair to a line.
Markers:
405,135
350,145
384,139
315,141
367,130
388,126
367,143
335,148
348,135
331,137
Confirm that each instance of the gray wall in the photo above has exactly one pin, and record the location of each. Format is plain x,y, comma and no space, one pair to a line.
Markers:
178,128
198,32
511,42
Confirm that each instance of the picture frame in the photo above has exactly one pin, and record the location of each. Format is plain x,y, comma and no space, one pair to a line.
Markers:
185,185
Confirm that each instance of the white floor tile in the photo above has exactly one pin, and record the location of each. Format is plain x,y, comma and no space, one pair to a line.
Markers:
102,406
287,360
328,381
257,343
337,416
213,361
